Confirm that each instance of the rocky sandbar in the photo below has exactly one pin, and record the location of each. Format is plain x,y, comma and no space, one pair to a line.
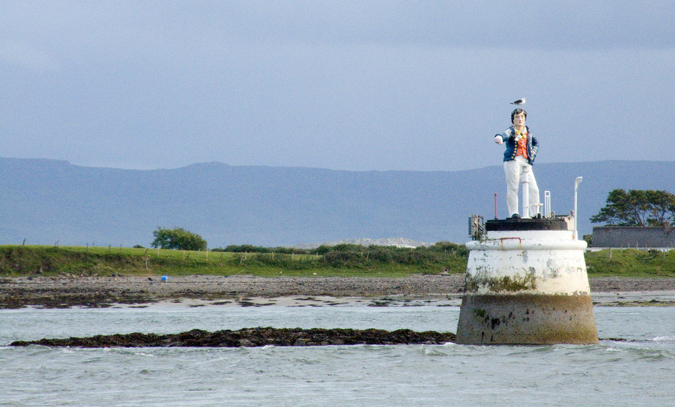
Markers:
61,292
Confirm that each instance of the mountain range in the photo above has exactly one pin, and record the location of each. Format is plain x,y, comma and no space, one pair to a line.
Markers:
47,201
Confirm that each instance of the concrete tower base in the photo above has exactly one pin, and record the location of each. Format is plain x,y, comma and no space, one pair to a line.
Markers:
526,319
527,284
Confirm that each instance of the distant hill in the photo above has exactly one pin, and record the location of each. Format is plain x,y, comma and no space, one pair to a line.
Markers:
44,201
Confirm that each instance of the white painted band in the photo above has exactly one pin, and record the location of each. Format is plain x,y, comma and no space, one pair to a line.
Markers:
532,234
517,243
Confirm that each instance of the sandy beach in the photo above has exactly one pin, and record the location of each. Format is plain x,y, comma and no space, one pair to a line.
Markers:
242,290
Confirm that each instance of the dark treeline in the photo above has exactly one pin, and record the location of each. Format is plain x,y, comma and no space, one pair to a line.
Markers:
443,254
439,247
247,248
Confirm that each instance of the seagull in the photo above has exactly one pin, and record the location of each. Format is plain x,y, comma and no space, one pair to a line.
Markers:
519,102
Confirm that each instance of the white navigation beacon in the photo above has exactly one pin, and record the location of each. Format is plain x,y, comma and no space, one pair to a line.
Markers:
526,282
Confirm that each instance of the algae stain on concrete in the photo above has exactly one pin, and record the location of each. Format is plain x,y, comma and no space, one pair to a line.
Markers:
502,284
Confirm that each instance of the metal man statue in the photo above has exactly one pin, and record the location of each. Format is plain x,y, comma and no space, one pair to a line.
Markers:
521,148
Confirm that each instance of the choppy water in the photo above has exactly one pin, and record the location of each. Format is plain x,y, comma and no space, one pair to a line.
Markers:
638,372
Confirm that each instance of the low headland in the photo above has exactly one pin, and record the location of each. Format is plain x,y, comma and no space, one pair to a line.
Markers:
59,277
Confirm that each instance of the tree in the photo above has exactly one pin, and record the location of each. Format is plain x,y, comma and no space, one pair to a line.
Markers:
637,208
662,207
177,238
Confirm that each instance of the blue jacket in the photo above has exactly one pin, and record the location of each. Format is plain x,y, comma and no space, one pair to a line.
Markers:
509,138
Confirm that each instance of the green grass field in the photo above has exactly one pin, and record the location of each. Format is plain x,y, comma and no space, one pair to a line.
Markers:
353,261
108,261
631,263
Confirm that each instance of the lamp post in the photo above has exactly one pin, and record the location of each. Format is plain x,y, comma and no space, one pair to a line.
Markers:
576,188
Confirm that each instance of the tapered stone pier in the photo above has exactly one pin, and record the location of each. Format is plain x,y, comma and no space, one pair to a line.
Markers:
526,284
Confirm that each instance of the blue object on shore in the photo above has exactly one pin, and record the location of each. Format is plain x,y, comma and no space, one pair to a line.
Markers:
165,278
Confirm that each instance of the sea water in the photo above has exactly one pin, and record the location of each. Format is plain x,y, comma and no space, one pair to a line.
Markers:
636,367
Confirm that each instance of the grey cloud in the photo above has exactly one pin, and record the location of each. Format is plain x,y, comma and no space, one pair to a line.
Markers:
28,56
343,85
522,24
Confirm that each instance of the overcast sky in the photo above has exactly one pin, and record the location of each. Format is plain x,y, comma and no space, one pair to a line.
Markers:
349,85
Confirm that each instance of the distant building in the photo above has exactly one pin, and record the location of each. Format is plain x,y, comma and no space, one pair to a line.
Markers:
634,236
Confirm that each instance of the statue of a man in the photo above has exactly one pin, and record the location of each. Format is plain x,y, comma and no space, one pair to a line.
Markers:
521,148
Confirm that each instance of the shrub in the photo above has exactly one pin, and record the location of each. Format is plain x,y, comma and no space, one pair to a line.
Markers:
177,238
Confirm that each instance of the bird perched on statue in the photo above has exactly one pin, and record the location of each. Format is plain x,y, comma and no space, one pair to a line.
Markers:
519,102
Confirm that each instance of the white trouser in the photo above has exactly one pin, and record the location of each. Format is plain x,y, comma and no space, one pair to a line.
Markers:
513,169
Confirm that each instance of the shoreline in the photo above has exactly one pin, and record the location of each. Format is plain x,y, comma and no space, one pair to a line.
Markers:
244,290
